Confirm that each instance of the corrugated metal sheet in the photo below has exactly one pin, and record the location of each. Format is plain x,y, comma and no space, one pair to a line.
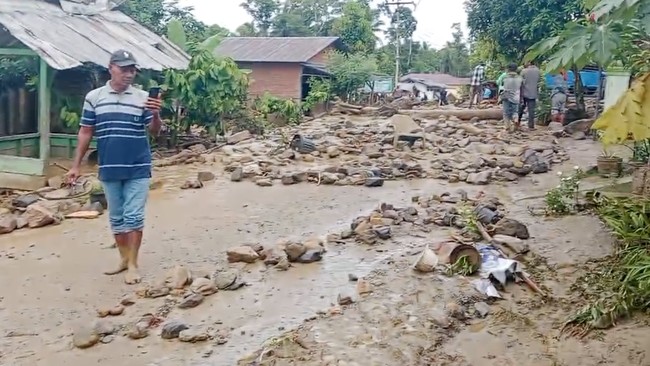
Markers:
65,41
436,79
273,49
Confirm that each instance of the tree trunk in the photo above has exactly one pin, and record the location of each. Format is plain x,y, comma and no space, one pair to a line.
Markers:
578,90
462,114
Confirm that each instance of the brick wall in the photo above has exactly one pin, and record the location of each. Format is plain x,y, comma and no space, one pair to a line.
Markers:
279,79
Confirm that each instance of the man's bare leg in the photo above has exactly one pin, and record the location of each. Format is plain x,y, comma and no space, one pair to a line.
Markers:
123,247
132,275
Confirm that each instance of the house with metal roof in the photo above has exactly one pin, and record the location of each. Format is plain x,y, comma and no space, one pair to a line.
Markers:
280,66
62,35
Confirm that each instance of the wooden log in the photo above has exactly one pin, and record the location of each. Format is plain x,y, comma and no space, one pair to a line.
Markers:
462,114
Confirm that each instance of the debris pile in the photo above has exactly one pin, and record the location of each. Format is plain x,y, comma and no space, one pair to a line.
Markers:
364,151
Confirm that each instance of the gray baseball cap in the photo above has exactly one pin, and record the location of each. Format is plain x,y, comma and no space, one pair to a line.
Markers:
123,58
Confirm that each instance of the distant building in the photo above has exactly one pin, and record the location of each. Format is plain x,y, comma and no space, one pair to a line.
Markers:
280,66
430,83
380,84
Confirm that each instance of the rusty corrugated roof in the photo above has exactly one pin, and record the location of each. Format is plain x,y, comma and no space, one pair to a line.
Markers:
273,49
66,41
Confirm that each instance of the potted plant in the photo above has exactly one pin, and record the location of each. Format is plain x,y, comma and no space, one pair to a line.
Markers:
609,164
97,194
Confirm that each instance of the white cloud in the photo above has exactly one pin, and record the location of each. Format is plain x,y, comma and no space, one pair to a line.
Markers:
435,18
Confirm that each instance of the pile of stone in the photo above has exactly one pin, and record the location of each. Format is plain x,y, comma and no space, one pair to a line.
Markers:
361,152
280,256
47,206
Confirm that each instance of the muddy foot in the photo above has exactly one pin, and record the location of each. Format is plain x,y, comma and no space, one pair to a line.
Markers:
121,268
132,277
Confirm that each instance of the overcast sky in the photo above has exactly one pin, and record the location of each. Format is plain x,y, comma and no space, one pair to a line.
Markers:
434,17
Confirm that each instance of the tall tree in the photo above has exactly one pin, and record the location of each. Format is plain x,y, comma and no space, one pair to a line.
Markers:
262,12
454,57
355,26
515,25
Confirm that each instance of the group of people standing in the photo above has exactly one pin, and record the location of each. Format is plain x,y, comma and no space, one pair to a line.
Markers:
518,93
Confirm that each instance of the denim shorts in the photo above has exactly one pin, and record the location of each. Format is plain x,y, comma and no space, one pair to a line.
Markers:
510,110
126,202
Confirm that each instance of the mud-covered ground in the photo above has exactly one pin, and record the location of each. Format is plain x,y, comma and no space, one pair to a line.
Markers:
52,284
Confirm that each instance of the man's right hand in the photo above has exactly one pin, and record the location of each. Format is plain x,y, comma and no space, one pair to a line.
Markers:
72,175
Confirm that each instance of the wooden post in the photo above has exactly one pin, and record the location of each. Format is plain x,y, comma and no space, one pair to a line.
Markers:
44,99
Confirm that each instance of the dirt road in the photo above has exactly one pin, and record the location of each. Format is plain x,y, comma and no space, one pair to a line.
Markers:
51,281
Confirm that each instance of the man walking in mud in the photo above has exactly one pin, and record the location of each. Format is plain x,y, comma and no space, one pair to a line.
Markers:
118,115
531,75
476,84
512,84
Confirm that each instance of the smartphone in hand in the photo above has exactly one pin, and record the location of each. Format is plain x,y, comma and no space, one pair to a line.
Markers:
154,92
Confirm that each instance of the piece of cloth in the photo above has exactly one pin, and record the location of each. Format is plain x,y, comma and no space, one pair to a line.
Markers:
500,81
558,101
487,93
126,201
478,75
120,125
529,105
531,76
512,87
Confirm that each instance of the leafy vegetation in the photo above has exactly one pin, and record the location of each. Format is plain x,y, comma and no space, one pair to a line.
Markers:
623,286
563,199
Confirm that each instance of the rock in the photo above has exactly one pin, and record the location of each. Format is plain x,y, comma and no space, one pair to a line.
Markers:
203,286
239,137
38,216
227,280
516,244
287,179
482,309
333,152
8,223
103,327
555,126
138,330
107,339
55,182
191,301
511,227
193,335
205,176
243,253
156,292
127,300
345,298
25,200
172,329
237,175
479,178
283,264
113,311
311,256
328,178
581,125
264,182
294,251
352,277
179,277
374,182
579,136
85,337
363,287
192,184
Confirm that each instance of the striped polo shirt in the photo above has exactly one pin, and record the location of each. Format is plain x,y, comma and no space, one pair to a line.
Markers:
120,127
